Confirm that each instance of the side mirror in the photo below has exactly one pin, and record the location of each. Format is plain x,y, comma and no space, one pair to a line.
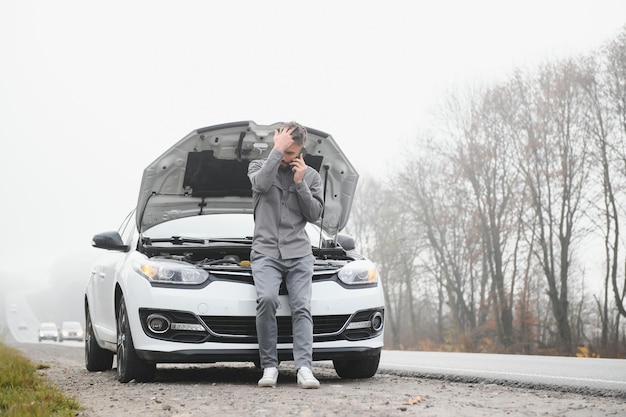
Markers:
109,240
346,242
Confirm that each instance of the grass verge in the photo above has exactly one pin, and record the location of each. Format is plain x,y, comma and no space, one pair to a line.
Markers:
24,392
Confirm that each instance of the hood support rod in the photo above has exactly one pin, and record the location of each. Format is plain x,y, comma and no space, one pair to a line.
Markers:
326,167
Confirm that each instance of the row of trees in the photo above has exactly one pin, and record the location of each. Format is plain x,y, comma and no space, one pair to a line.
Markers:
502,231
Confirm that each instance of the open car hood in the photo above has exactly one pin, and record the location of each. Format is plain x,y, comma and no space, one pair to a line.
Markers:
207,172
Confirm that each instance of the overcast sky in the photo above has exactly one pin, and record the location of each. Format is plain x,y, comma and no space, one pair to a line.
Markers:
91,92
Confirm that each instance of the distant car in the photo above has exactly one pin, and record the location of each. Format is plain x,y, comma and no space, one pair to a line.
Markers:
71,330
22,325
48,331
174,284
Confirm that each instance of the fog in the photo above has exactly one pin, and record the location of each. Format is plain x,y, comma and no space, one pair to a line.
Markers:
91,93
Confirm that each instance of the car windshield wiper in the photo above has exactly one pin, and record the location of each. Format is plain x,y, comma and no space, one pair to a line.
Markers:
180,240
174,240
247,239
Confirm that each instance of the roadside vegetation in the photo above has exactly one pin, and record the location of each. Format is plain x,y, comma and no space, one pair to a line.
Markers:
24,392
503,230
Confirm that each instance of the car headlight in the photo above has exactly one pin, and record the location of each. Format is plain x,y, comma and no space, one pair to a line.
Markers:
358,272
171,272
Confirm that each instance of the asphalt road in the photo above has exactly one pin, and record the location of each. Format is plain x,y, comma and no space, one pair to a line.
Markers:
23,323
588,374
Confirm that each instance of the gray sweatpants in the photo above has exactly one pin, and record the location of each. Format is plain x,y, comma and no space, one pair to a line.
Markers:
268,274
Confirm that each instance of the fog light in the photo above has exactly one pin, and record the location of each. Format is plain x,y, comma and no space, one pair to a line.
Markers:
158,323
377,321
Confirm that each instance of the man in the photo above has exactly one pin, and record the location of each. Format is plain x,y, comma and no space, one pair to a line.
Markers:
286,194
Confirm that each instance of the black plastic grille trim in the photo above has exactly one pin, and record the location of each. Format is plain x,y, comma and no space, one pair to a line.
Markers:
243,328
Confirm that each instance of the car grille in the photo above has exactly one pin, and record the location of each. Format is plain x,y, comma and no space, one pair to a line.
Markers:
243,329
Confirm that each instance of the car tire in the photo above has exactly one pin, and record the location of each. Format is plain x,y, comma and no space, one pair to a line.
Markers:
357,368
96,358
129,365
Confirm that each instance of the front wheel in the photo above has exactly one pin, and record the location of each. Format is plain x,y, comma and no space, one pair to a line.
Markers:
96,358
357,368
129,365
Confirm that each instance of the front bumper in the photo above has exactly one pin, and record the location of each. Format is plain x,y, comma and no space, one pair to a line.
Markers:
217,323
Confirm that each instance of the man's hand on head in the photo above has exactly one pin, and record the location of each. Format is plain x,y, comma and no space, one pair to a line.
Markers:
283,139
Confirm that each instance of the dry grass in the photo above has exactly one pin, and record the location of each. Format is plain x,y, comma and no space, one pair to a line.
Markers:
24,392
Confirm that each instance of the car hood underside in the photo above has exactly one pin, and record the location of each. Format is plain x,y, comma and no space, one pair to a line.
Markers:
206,172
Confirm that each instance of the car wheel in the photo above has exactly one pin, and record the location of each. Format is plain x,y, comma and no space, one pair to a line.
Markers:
129,365
96,358
357,368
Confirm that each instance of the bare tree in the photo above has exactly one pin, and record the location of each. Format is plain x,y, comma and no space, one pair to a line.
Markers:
615,82
601,126
437,203
385,234
553,159
486,160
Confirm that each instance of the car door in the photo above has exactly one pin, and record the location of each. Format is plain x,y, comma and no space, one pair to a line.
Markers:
106,272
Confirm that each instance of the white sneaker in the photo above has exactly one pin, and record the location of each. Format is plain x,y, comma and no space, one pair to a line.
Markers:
270,376
306,378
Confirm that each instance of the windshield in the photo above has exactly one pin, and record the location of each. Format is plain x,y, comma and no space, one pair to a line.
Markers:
216,226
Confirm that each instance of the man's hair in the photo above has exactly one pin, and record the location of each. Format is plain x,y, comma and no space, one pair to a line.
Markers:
299,133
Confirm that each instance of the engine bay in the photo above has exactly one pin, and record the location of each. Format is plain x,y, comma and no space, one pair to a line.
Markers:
236,257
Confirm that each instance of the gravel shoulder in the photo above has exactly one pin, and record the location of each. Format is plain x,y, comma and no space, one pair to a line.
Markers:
228,389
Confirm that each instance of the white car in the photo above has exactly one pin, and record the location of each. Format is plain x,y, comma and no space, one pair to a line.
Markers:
48,331
174,283
71,330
